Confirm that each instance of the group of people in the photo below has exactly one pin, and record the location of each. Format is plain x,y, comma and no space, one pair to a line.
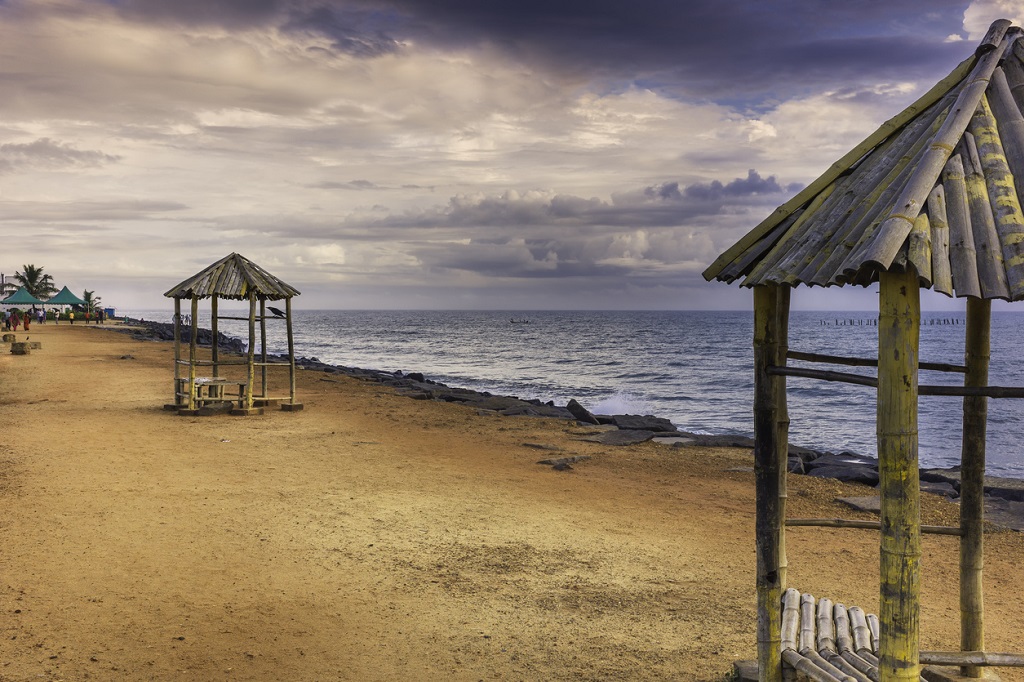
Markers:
12,319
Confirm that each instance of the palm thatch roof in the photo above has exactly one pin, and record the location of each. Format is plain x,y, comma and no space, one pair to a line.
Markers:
938,187
233,277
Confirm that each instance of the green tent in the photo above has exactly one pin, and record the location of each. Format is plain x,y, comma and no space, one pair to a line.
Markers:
65,297
22,297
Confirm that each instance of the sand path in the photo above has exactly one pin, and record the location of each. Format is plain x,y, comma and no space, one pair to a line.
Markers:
373,537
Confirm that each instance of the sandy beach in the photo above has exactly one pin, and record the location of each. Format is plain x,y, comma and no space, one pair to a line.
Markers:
375,537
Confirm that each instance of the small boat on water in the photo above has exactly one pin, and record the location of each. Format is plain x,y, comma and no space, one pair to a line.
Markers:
515,321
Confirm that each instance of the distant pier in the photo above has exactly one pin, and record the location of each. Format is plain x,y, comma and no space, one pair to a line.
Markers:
873,322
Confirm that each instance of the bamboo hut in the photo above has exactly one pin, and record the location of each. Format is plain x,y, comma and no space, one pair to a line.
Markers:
238,279
931,199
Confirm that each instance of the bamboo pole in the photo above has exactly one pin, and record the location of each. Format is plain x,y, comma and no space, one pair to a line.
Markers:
986,240
782,421
868,362
215,351
924,389
972,481
192,355
972,658
251,354
768,522
808,637
790,619
942,279
1002,193
291,349
919,251
898,335
177,350
867,525
1011,127
805,666
842,165
885,243
962,257
263,348
845,263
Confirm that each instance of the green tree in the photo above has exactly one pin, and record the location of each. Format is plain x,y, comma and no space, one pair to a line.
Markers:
36,282
92,302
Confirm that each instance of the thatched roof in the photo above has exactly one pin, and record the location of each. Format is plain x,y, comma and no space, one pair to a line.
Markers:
233,277
939,187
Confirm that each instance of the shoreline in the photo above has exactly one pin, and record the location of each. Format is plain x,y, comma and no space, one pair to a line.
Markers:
1004,495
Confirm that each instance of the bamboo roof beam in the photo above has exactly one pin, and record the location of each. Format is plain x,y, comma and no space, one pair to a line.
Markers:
1010,123
1002,193
1013,67
962,258
842,165
991,274
942,278
893,231
878,204
919,250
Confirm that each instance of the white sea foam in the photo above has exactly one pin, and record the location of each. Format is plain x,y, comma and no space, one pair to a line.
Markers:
622,403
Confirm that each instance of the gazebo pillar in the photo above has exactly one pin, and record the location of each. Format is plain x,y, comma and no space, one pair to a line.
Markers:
972,481
771,428
899,320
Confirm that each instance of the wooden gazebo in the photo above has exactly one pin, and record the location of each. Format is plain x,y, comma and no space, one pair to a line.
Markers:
239,279
931,199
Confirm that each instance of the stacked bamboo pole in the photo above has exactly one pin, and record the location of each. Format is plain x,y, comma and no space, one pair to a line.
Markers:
898,332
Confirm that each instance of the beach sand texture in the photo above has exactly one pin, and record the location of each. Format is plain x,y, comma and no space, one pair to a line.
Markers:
374,537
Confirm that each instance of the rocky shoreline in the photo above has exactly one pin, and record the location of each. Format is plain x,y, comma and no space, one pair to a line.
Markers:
1004,497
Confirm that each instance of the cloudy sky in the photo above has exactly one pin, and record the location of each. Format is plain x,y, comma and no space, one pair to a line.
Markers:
441,153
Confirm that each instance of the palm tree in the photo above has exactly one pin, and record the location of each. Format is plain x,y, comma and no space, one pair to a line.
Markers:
36,282
92,303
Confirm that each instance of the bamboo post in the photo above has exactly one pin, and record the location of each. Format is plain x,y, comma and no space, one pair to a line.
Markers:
192,355
177,350
291,348
251,355
899,320
215,351
263,348
972,481
782,422
767,462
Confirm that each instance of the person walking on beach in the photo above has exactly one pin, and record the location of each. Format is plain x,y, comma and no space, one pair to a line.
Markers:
15,320
27,318
71,316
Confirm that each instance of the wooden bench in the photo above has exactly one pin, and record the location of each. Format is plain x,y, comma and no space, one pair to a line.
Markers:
208,390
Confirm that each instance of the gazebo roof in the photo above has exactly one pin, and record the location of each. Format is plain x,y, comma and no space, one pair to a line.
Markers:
22,297
65,297
934,187
233,277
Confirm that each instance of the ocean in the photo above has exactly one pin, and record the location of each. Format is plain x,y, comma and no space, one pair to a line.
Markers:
694,368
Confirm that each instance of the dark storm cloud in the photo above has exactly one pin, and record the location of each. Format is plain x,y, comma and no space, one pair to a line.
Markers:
660,205
356,32
705,47
45,153
227,13
737,51
753,184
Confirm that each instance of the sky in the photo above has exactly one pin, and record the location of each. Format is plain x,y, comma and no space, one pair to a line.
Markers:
445,154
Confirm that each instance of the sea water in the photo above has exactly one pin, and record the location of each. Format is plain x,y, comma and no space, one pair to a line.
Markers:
695,368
